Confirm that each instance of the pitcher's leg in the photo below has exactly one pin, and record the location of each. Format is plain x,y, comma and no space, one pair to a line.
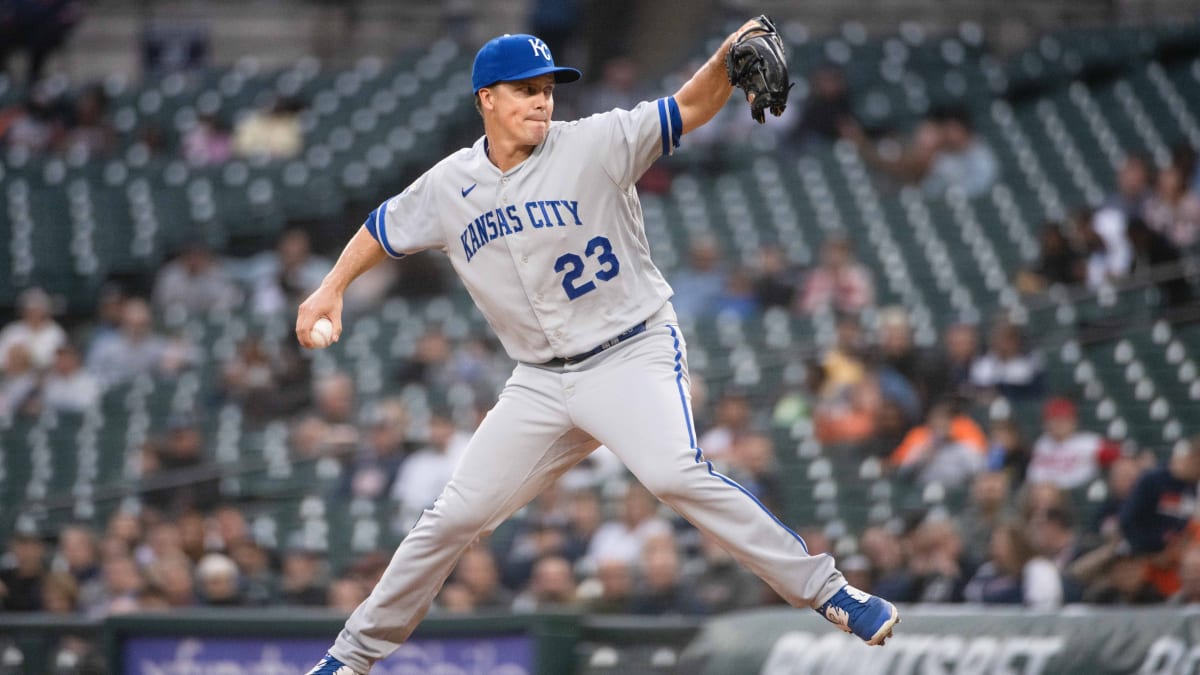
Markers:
640,408
523,444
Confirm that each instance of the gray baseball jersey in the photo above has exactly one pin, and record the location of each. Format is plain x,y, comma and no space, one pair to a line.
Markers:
555,258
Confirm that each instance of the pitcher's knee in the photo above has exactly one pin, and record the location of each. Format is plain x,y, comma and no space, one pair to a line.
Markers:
451,524
666,486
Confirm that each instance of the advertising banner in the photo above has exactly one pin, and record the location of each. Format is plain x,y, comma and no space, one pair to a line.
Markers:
955,641
205,655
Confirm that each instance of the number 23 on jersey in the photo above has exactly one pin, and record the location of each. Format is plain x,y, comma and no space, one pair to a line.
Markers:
599,248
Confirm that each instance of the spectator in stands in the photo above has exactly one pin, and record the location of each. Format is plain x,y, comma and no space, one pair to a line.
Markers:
938,562
194,535
123,583
38,29
960,347
1053,535
839,282
798,399
1015,574
266,381
36,126
908,374
172,575
963,161
890,577
219,581
90,136
698,286
21,580
430,361
662,591
345,594
19,384
68,387
225,528
907,164
752,465
1174,209
625,538
732,419
949,449
1106,245
540,535
827,108
124,530
454,598
138,350
1189,578
208,142
270,133
106,322
1155,254
737,297
774,280
1009,368
845,362
723,585
161,541
177,474
1124,582
60,593
551,586
478,573
1123,474
1008,451
254,569
1058,263
194,282
1133,186
988,506
36,331
281,279
424,474
78,555
616,581
584,518
302,580
370,473
1064,455
1162,503
849,416
334,406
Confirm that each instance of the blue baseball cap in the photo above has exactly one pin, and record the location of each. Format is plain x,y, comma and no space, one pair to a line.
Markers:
516,57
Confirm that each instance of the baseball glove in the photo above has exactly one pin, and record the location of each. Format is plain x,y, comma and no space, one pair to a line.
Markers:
756,64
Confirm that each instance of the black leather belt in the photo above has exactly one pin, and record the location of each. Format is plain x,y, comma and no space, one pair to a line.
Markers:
558,361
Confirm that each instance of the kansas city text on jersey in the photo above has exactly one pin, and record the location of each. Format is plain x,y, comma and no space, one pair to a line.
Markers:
512,219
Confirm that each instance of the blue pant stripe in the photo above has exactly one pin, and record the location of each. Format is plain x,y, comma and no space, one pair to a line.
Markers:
687,416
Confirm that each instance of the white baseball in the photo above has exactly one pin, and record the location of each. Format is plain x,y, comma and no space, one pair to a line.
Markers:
321,333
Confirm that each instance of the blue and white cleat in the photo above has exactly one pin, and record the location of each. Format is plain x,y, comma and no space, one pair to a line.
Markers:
331,666
868,617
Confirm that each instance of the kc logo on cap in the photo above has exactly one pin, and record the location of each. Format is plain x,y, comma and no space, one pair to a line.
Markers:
542,48
516,57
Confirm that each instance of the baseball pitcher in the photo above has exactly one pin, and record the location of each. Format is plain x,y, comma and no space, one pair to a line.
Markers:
541,221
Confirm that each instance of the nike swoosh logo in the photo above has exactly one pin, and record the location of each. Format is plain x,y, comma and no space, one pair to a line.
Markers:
467,190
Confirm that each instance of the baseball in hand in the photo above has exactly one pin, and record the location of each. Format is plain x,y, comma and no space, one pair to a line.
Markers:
321,333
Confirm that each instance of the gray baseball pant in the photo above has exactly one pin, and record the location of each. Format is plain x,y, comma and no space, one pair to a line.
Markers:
634,399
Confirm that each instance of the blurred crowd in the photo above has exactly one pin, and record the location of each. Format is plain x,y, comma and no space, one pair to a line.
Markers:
1052,515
